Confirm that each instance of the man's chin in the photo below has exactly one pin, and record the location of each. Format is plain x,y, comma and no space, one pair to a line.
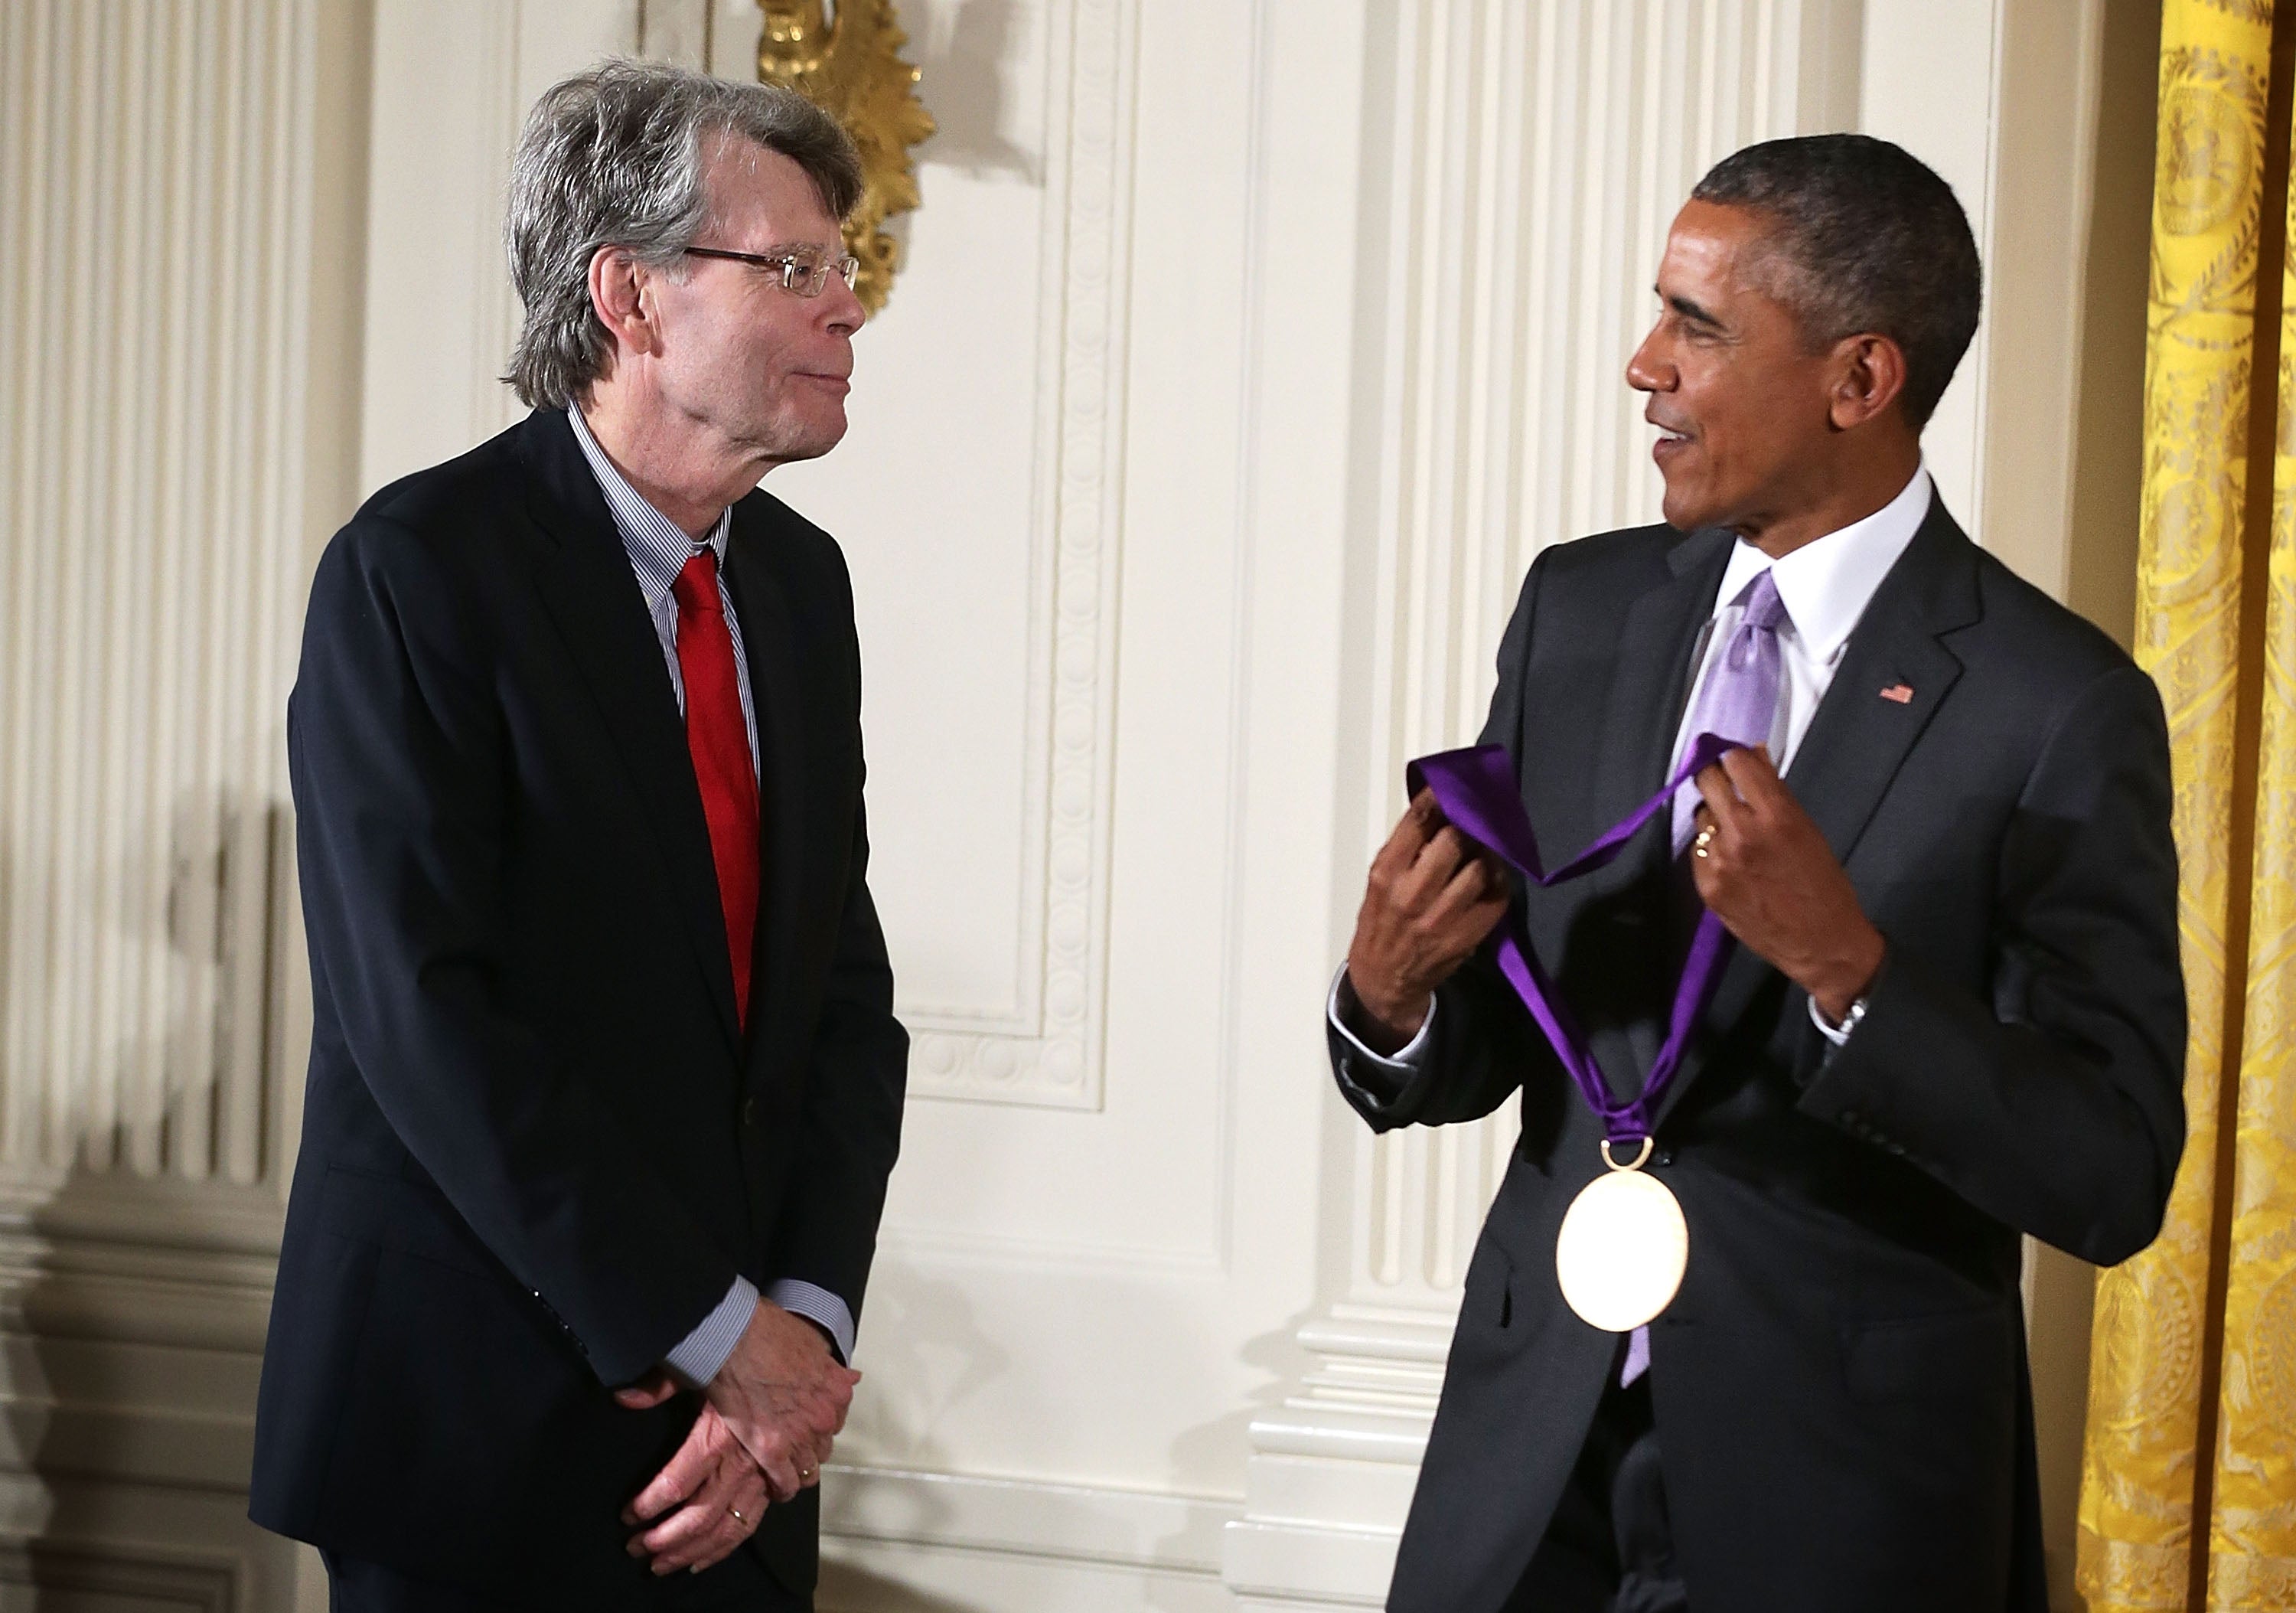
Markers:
811,443
1684,511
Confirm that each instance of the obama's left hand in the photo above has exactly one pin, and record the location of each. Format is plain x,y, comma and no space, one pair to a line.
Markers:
1764,869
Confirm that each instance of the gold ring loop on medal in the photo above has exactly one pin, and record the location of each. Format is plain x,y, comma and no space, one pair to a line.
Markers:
1636,1163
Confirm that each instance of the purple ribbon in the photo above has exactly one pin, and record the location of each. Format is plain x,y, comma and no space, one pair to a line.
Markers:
1477,790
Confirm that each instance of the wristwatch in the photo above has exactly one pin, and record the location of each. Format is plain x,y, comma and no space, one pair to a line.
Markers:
1849,1020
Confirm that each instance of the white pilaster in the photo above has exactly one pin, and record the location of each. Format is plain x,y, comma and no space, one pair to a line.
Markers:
1527,157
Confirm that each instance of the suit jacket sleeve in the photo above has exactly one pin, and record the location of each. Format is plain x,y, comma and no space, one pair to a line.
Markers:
2057,1106
401,765
1481,1044
856,1076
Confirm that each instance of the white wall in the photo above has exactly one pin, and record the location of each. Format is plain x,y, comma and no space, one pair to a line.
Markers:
1246,351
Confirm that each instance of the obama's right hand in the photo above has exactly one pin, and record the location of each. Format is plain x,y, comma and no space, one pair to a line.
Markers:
1431,898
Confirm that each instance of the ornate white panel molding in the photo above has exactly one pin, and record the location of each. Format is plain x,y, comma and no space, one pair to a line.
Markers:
1043,1047
1049,1050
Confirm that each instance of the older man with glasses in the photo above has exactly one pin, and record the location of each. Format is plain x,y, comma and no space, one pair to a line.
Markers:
605,1083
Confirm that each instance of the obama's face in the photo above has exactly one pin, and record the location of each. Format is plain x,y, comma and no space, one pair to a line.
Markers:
1744,406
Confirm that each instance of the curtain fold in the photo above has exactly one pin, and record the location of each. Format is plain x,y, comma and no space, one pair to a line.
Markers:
2198,1334
2253,1522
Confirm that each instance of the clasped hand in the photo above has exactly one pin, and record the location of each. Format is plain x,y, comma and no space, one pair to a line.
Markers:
766,1425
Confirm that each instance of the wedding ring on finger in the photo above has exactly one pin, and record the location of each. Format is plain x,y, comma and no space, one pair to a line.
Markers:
1703,846
738,1519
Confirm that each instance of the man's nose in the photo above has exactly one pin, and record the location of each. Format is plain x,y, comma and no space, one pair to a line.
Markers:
1644,371
845,311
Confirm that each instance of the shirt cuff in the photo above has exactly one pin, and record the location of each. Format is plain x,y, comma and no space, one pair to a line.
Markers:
1838,1035
819,1306
696,1360
1405,1061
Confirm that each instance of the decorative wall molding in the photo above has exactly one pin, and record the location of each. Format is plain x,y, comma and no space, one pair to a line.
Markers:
137,1578
156,216
1048,1049
1044,1048
1025,1518
162,461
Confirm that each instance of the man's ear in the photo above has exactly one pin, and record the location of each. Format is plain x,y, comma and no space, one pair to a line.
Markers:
1869,375
618,286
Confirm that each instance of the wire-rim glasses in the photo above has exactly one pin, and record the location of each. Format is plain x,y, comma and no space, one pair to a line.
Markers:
805,273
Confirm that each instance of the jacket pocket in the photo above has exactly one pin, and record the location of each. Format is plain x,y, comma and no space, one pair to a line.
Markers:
1489,1297
393,1214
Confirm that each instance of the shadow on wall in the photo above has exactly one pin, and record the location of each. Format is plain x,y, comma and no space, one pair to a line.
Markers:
961,82
77,1370
921,1355
135,1285
1209,1446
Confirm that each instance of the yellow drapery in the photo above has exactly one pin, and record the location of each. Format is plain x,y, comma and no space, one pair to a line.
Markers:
2195,1339
2252,1515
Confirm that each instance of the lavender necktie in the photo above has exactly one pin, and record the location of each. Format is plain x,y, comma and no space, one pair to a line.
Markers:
1739,696
1738,700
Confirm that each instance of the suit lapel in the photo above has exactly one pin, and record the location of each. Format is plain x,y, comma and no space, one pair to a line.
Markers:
1859,737
1646,696
777,687
586,585
1641,712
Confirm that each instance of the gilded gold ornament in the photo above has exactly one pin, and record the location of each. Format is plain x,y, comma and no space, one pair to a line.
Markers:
846,57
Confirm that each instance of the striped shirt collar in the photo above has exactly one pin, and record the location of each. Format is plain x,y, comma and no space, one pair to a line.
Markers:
658,547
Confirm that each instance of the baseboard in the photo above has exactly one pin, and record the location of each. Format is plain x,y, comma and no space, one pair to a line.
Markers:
1101,1525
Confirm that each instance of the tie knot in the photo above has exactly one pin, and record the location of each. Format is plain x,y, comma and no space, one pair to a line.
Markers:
696,586
1764,609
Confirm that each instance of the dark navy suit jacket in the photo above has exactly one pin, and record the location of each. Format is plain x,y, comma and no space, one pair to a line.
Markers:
1839,1387
536,1145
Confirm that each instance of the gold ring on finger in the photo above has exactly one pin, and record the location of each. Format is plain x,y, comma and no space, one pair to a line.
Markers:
738,1519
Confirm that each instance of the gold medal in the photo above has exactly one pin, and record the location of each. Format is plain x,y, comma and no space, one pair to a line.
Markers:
1621,1255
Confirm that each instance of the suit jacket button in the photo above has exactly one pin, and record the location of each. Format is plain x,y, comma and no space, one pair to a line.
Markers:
749,1111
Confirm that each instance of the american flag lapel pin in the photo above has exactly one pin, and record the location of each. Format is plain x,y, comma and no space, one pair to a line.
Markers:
1902,692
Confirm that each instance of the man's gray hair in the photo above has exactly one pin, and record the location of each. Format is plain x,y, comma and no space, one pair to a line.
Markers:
616,157
1862,236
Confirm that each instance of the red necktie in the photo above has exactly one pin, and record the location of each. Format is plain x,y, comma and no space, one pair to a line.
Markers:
719,741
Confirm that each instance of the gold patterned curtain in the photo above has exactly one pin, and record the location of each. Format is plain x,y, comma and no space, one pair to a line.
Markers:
2192,1419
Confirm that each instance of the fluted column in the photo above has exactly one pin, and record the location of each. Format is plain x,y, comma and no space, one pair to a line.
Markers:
1536,153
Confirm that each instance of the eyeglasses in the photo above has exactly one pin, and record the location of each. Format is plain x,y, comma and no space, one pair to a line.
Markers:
805,273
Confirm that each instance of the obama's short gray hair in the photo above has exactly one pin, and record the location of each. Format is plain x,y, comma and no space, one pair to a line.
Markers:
616,157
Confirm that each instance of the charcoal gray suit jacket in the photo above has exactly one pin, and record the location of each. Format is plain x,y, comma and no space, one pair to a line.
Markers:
1839,1388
